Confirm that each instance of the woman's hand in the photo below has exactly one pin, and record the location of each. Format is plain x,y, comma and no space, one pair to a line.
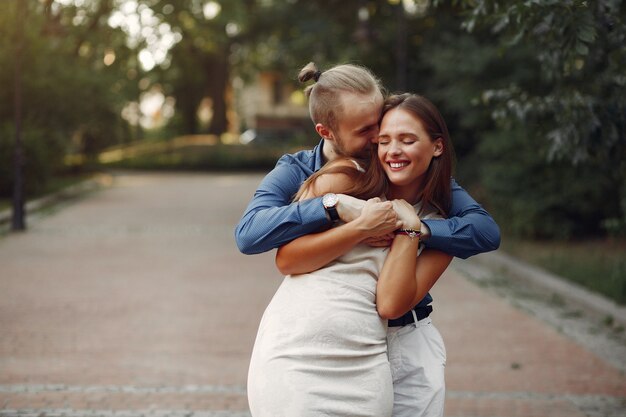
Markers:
407,215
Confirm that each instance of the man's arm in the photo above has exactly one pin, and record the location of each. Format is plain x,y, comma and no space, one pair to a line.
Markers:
314,251
271,220
469,229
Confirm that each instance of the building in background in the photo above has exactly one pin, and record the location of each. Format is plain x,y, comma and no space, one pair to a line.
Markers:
272,111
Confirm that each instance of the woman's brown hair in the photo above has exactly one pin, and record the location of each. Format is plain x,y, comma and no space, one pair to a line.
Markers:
367,183
436,189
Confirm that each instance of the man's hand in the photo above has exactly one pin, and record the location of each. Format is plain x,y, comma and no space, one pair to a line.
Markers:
407,219
377,218
349,208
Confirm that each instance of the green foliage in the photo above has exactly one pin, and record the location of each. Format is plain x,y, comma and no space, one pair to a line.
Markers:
534,197
208,158
70,99
615,227
42,158
200,62
533,91
574,100
595,264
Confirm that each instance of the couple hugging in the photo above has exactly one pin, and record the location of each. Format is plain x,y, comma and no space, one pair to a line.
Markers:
365,224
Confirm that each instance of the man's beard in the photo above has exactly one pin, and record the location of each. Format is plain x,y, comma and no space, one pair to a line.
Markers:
340,149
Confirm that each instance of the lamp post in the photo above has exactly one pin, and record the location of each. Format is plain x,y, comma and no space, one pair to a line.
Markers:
18,222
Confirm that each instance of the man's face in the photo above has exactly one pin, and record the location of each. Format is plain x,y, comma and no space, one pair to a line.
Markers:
357,123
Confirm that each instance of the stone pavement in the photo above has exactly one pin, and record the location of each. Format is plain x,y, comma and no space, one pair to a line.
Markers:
134,301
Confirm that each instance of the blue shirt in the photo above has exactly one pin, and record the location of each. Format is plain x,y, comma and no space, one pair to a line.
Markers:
272,220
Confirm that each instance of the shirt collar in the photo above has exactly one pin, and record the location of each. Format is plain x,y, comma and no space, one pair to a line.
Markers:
319,156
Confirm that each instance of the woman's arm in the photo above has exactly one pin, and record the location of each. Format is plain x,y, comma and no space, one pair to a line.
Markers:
396,285
399,288
406,277
311,252
431,264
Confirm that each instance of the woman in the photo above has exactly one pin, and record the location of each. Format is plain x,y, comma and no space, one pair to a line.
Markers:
413,136
321,347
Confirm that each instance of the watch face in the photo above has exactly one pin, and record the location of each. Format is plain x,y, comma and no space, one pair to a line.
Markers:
330,200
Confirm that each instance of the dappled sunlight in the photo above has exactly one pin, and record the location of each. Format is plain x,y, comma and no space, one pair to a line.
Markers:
211,9
109,57
142,25
133,151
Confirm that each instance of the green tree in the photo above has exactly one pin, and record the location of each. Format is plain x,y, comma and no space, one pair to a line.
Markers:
199,66
71,91
576,98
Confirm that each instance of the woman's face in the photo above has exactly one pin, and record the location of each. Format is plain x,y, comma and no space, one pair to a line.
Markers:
405,149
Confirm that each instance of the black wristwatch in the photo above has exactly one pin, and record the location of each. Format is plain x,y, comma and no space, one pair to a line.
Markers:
330,201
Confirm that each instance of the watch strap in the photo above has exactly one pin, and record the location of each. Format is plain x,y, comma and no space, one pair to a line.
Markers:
332,212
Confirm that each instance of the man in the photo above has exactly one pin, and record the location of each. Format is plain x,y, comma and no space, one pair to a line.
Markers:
345,104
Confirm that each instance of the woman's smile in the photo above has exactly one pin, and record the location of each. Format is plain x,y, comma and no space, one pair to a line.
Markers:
397,165
404,148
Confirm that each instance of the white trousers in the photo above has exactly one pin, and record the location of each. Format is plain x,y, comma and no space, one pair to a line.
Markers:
418,357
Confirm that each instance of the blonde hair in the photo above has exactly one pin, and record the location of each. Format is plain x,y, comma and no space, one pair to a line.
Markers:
324,103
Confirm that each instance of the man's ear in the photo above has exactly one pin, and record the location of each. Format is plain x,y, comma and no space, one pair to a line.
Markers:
323,131
438,147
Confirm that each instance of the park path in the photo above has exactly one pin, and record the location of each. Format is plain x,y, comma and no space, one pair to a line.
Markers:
134,301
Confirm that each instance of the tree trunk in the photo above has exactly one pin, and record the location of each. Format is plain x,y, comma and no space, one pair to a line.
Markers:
189,108
217,70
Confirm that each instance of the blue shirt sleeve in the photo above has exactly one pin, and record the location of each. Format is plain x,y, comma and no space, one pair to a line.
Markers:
468,230
271,220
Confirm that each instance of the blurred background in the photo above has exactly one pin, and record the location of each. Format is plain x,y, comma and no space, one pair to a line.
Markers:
534,94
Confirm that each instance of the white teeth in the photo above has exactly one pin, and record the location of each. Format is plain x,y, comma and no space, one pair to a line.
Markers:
397,164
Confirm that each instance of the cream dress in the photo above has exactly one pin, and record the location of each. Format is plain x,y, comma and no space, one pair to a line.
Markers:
321,346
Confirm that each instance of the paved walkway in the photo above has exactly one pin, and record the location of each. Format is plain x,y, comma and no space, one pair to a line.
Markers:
135,301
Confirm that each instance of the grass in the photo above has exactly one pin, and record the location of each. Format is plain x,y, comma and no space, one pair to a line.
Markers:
194,153
205,158
599,265
52,185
